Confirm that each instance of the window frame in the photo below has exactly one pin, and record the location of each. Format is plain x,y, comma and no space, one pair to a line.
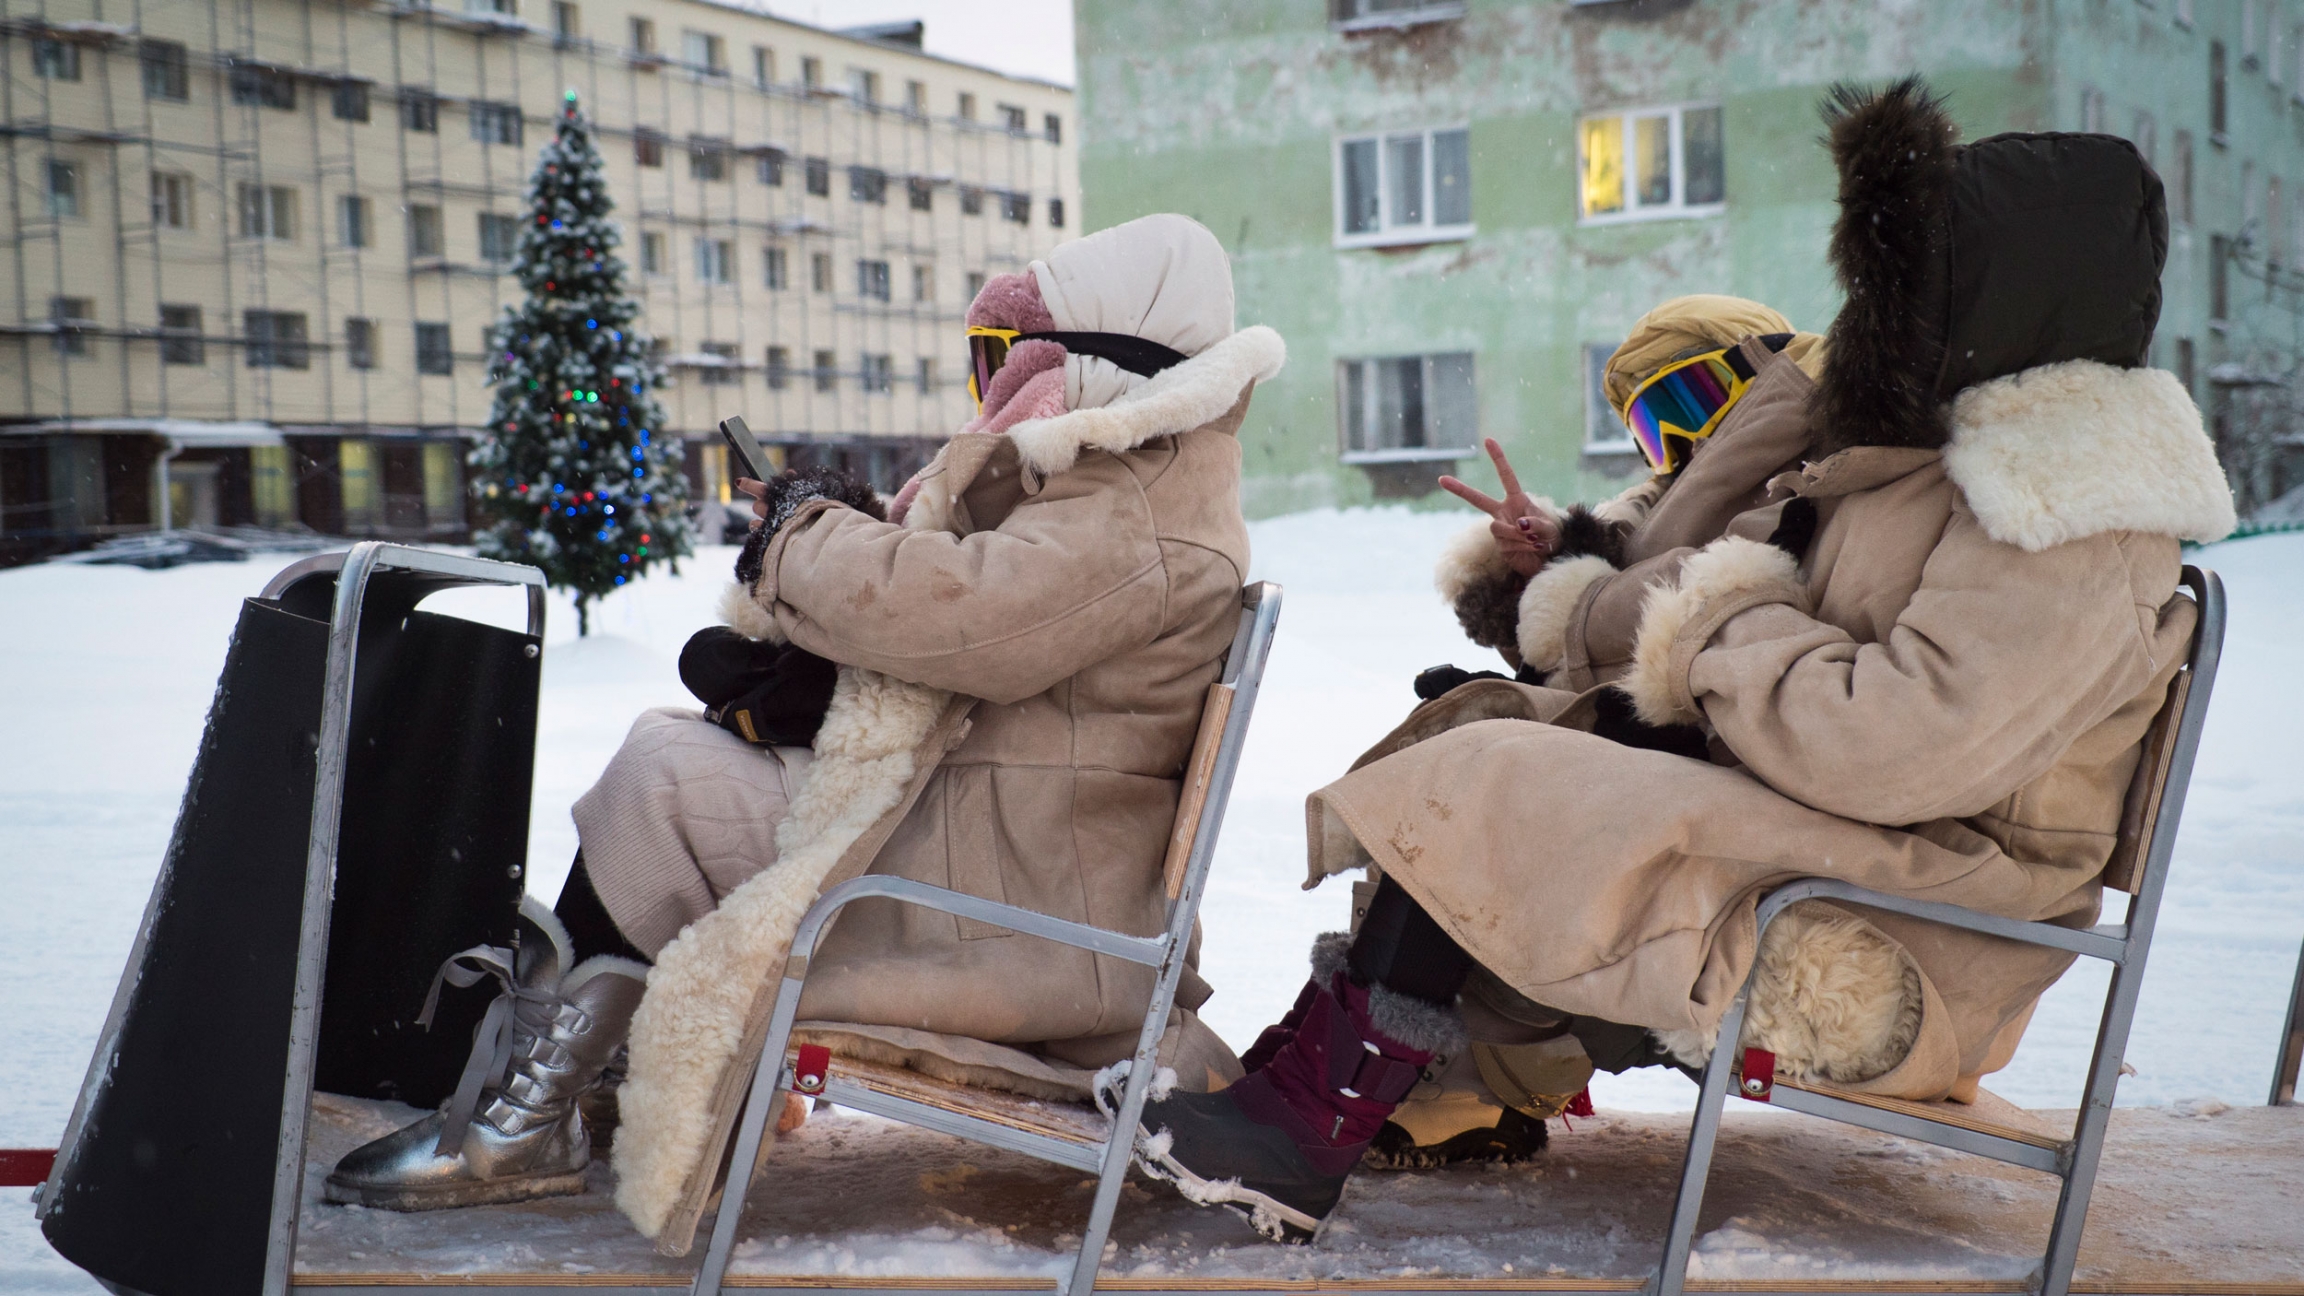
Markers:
506,239
1592,363
647,147
427,231
867,184
715,260
73,318
433,362
652,256
775,268
826,371
269,347
271,214
164,69
55,58
61,202
419,111
360,342
1429,11
496,123
355,221
1386,233
348,100
183,342
1372,396
874,279
1677,208
708,158
175,195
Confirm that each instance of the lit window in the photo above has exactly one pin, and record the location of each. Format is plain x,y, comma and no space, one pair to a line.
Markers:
1650,163
1404,187
1400,409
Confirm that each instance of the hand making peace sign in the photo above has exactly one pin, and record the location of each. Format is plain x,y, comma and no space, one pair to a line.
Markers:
1525,531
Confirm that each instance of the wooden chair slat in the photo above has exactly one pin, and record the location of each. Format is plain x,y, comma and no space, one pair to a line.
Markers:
2141,813
1199,772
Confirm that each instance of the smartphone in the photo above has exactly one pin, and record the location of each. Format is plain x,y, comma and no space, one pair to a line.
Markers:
750,458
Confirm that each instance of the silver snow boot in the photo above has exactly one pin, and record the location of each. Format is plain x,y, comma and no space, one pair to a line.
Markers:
512,1131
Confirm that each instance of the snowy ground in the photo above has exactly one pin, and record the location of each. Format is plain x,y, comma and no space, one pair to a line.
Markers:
110,671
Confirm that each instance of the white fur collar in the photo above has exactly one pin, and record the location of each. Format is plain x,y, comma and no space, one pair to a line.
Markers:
2075,449
1175,400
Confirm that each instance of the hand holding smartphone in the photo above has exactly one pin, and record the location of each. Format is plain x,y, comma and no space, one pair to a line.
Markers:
749,456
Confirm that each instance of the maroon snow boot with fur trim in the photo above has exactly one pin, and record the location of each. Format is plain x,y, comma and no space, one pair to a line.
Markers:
1278,1146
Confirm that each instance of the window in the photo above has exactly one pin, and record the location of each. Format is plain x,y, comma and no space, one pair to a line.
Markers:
567,20
56,59
2147,139
864,86
779,367
2184,362
433,353
715,261
73,318
1016,207
63,189
867,184
1012,118
727,373
923,283
499,238
495,123
770,165
924,374
820,272
263,86
879,374
2219,278
819,177
1405,408
171,200
360,343
916,98
772,268
975,284
1405,187
647,147
811,73
707,158
872,280
827,371
920,194
652,253
356,221
487,7
1649,163
971,201
425,238
2092,111
275,340
643,36
2183,177
1055,213
705,51
763,66
1604,432
165,70
965,109
349,101
419,111
1355,15
1052,127
180,340
2216,92
268,212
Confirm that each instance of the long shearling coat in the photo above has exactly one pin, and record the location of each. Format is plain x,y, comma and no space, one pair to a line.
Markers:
1023,666
1945,699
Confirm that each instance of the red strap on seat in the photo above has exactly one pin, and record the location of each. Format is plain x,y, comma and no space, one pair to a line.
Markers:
1759,1074
26,1167
808,1073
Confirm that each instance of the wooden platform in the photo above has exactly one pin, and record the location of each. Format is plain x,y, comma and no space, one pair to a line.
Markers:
2190,1204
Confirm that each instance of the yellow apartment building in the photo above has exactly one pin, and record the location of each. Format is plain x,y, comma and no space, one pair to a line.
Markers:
255,246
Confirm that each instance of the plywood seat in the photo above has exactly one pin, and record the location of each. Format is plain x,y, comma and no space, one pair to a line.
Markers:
1075,1123
1977,1117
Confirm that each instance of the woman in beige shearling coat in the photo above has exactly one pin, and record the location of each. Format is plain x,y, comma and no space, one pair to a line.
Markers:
1941,694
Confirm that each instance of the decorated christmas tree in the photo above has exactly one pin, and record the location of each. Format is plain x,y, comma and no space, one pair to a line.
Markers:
575,474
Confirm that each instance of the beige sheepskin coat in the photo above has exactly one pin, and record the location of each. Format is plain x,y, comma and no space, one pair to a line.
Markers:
1023,663
1944,699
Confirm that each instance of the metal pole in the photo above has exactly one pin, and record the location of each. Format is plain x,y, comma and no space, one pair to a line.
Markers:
2291,1043
1703,1132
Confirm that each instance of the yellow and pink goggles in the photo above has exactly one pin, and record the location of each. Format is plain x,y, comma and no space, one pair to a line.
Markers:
1683,403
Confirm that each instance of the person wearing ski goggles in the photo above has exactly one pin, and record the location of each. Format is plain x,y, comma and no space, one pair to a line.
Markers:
988,349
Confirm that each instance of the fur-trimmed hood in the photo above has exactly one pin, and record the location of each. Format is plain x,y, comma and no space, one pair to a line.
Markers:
1966,263
1189,395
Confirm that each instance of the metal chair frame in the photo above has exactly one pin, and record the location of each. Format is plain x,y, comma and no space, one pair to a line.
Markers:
773,1077
2122,944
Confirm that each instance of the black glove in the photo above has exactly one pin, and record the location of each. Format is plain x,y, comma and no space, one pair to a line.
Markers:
788,493
1438,681
1795,527
1618,723
761,692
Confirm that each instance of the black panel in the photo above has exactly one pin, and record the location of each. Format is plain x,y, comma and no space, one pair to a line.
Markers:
169,1186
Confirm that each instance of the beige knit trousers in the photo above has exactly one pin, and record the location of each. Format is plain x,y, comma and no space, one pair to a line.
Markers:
685,812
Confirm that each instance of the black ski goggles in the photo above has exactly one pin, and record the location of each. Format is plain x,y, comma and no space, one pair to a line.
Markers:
988,350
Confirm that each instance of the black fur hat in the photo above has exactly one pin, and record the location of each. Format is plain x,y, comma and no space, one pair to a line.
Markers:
1963,263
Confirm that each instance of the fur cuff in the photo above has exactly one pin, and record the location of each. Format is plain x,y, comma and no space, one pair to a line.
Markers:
1470,560
1418,1023
1583,531
742,613
1328,951
1729,566
1549,603
1832,998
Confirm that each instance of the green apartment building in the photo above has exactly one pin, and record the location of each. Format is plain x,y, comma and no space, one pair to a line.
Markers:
1453,209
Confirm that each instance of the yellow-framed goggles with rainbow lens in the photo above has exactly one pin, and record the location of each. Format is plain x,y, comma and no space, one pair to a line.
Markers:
1683,403
987,351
